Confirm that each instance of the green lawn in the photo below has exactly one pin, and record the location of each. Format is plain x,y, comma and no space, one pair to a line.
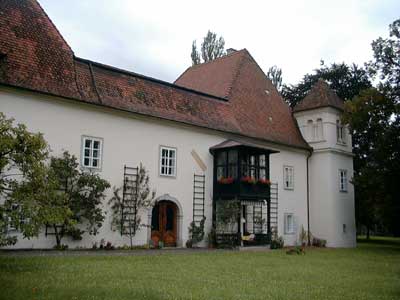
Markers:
372,271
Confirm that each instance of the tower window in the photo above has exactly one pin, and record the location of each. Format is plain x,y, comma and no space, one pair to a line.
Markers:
340,133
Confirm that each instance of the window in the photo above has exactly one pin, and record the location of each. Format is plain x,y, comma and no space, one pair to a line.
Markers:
343,180
168,161
289,224
91,152
310,129
320,130
288,177
340,133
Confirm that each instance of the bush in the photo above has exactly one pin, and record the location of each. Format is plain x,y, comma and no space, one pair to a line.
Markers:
296,250
189,243
61,247
277,242
316,242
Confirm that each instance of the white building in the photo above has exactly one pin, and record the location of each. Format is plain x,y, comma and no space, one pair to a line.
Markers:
220,124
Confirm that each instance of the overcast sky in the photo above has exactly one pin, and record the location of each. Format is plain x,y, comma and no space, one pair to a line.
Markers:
154,37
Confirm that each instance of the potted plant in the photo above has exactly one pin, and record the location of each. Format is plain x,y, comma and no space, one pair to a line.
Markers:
248,180
264,181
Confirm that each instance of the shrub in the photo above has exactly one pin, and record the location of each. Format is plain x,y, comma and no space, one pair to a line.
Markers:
316,242
296,250
277,243
61,247
189,243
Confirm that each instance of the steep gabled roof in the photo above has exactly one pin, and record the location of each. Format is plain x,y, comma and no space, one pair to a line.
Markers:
320,95
215,77
235,100
256,104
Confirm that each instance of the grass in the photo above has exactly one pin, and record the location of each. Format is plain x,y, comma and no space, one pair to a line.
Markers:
371,271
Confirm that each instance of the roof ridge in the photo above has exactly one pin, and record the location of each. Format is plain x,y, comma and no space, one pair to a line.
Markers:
216,59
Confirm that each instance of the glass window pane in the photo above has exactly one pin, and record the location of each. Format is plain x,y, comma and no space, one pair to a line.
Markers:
232,156
95,162
263,173
87,152
262,160
96,144
221,158
95,153
88,143
220,172
86,162
172,153
232,171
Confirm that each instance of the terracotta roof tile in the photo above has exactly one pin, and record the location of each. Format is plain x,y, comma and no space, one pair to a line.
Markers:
38,58
320,95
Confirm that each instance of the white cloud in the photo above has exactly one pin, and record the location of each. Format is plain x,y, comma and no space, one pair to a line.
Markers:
154,37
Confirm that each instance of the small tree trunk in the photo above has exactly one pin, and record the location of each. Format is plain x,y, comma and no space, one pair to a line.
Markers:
58,236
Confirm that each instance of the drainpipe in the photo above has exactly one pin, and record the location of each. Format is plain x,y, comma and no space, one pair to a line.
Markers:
308,200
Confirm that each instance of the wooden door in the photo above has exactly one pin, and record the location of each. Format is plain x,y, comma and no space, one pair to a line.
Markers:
164,223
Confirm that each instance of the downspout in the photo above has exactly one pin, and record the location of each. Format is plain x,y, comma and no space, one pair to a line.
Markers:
308,200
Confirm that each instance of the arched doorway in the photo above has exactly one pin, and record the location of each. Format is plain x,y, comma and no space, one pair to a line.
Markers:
164,223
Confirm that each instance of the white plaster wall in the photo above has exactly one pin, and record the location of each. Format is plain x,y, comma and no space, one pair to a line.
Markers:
131,139
330,208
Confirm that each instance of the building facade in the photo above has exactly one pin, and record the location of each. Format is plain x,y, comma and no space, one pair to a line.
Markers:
220,134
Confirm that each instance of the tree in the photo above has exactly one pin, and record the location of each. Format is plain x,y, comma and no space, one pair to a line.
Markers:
22,169
275,75
143,200
386,63
346,81
374,123
212,47
73,199
195,54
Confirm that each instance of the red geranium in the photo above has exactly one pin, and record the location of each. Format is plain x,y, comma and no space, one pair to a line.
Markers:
248,179
264,181
225,180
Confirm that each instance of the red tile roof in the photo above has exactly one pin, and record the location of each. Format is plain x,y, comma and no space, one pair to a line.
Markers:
38,58
320,95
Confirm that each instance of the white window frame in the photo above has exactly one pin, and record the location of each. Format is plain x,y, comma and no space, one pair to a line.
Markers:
289,228
287,178
91,150
340,133
343,181
167,162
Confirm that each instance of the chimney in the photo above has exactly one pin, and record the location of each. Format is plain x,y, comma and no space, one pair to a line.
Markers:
230,51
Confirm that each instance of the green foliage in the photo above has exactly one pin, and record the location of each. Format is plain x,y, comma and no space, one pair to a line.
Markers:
317,242
195,55
73,198
374,122
22,174
277,242
347,81
275,75
386,63
196,233
212,47
144,201
227,214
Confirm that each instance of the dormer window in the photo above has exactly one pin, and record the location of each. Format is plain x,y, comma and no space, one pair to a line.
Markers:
340,132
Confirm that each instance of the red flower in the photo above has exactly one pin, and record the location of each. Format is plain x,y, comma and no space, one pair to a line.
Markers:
264,181
248,179
225,180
